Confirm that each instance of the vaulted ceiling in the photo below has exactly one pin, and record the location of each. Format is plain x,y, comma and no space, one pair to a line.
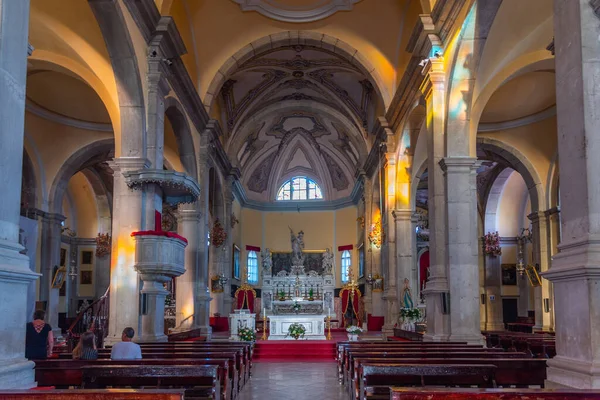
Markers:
298,110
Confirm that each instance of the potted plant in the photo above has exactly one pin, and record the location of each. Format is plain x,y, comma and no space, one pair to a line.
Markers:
246,334
353,332
296,331
310,294
281,296
408,317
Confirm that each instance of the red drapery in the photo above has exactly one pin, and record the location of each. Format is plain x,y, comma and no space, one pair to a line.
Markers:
252,248
346,247
244,298
346,294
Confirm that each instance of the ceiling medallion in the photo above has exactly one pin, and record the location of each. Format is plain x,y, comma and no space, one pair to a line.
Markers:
282,10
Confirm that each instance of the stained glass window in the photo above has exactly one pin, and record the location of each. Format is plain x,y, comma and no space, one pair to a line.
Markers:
300,188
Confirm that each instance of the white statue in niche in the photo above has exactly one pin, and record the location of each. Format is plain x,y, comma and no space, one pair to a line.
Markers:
327,262
297,248
267,261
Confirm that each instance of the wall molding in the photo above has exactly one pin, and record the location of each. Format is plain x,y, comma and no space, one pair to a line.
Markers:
42,112
280,12
516,123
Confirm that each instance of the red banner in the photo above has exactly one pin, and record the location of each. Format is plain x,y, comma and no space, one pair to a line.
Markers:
252,248
346,247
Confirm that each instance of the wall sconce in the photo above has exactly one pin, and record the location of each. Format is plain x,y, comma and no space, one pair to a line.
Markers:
546,305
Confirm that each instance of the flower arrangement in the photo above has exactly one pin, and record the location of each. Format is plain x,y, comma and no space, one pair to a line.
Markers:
296,307
246,334
218,234
376,235
354,330
102,244
296,331
412,314
491,245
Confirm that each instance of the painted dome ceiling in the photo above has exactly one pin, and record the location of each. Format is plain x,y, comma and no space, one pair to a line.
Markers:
298,110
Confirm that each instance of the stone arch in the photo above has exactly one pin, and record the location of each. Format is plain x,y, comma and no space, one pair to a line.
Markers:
185,143
412,125
461,84
86,156
127,76
283,39
552,189
514,159
28,184
493,199
103,199
419,171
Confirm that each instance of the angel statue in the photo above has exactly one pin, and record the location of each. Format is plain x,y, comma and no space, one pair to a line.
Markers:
327,262
297,248
267,261
406,295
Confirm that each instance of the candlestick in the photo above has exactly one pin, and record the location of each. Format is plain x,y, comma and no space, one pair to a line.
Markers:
264,334
329,327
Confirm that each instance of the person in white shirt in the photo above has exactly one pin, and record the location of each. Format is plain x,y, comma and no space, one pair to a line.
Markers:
126,350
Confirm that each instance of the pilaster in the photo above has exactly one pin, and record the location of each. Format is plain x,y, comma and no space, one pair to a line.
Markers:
541,257
188,224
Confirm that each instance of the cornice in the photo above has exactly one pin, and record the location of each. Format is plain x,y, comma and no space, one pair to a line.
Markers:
145,14
516,123
42,112
271,9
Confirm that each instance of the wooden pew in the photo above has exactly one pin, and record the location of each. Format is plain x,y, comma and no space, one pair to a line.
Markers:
342,345
493,394
120,394
517,372
376,379
68,373
200,381
383,356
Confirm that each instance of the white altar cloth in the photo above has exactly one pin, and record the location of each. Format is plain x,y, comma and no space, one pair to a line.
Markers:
240,319
314,325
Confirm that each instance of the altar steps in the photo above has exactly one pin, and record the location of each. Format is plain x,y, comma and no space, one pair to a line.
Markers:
287,350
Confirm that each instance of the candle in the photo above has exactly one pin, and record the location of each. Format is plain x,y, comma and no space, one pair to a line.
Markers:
329,312
264,312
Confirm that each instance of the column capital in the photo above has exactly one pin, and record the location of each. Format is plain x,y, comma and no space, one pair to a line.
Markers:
536,216
459,164
402,215
129,163
189,215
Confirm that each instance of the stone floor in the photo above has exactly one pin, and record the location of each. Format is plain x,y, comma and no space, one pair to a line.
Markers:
293,381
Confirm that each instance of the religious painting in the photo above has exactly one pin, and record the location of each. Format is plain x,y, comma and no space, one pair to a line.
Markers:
361,261
59,277
534,277
86,257
215,285
236,262
509,274
63,257
313,261
86,278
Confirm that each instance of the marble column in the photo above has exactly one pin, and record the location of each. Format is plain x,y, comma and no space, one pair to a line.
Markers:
463,249
391,290
188,224
493,294
15,275
404,253
124,281
50,257
436,292
575,270
368,202
414,276
541,257
227,254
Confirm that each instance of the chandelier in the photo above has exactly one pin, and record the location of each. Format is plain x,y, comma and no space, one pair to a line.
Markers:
524,237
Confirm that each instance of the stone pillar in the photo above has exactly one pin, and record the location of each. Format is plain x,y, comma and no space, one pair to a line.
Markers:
15,275
391,290
227,253
575,270
404,253
50,257
437,309
541,256
153,318
124,280
414,261
368,201
188,224
463,249
493,294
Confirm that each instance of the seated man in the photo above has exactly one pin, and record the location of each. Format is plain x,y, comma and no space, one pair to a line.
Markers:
126,350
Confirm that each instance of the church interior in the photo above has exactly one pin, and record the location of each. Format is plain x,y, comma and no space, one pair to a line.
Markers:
363,194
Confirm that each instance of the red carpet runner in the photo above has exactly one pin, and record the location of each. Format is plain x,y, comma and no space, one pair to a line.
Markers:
292,350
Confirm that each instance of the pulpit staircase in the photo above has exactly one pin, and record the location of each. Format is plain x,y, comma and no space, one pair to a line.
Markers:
93,318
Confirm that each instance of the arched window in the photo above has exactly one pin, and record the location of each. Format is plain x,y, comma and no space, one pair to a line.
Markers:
300,188
252,267
346,263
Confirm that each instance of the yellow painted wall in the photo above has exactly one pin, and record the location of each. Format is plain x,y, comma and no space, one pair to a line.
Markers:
85,206
322,230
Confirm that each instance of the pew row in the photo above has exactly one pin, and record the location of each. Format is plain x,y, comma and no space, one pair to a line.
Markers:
120,394
493,394
68,373
199,381
378,378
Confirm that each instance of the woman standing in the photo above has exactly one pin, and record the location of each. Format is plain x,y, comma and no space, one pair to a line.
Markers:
86,348
39,340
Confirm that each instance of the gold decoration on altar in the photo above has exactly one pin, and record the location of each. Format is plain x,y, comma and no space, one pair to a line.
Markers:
245,288
376,234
